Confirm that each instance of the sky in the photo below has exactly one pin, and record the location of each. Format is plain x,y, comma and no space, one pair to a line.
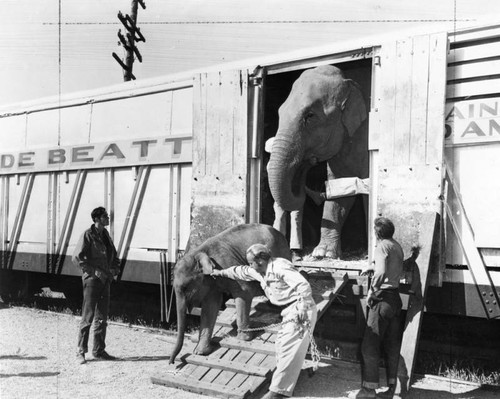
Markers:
52,47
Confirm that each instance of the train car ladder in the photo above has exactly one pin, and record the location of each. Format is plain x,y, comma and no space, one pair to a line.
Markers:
465,235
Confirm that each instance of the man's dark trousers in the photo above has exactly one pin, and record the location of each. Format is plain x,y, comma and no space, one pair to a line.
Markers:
95,308
382,327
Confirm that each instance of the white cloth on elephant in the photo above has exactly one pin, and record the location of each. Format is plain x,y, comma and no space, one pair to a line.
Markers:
346,186
284,285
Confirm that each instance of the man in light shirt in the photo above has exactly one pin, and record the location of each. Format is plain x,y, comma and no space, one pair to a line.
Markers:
382,324
284,286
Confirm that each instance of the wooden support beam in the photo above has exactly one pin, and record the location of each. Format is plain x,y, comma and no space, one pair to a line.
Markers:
330,295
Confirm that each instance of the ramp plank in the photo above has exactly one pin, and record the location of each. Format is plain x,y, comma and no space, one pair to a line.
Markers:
235,365
234,343
245,359
209,389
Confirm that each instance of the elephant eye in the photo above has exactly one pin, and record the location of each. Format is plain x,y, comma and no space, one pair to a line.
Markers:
308,116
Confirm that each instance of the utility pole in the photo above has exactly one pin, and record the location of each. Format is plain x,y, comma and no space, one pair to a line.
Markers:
133,35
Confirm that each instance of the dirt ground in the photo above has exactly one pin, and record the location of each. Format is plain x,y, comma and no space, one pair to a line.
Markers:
37,360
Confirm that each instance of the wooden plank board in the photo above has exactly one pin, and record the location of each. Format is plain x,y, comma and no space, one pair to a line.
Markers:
403,105
244,359
419,96
475,70
477,88
234,343
416,303
213,374
213,115
209,389
226,375
474,52
374,121
435,104
230,365
476,33
387,102
199,125
252,383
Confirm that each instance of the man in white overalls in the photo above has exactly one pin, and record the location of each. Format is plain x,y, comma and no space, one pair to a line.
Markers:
284,286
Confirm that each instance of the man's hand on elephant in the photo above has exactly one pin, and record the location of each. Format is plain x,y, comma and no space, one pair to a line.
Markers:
215,273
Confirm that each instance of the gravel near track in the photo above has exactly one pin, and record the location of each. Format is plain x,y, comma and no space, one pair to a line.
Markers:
37,360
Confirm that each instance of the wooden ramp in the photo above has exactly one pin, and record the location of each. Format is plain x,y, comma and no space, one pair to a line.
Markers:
239,369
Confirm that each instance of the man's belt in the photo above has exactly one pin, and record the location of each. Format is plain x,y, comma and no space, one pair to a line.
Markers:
287,304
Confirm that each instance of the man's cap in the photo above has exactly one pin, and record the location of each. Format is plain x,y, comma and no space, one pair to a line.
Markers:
258,249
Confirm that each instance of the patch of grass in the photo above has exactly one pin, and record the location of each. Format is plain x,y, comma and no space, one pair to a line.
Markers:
480,372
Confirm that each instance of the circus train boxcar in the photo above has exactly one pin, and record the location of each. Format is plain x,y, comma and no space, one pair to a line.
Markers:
179,158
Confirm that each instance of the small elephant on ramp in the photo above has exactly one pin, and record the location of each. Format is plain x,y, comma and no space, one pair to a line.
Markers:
194,286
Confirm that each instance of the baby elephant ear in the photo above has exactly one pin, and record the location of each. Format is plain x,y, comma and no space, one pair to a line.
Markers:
206,264
353,108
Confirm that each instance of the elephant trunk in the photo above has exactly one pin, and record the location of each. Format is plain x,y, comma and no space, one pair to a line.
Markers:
181,325
287,173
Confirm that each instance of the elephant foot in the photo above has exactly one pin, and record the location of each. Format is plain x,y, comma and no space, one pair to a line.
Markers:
245,336
203,350
326,251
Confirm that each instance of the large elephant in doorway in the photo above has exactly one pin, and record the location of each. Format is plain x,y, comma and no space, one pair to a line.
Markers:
320,121
193,286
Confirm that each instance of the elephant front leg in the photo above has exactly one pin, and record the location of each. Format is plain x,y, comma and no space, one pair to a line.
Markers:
243,304
209,311
334,214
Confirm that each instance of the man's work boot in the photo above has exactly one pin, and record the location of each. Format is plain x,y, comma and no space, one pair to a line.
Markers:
273,395
366,393
104,356
388,393
80,358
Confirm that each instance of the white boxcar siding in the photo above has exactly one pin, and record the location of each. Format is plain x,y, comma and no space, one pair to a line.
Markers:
472,146
45,207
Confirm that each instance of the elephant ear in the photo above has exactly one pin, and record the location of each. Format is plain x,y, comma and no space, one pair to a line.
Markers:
204,262
353,108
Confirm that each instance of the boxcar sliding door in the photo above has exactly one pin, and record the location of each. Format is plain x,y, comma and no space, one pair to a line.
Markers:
220,153
406,143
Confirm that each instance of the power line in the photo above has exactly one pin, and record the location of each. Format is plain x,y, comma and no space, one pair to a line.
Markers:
256,22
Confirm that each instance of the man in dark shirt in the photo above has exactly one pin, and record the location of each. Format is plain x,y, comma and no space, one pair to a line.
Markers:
382,324
96,255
